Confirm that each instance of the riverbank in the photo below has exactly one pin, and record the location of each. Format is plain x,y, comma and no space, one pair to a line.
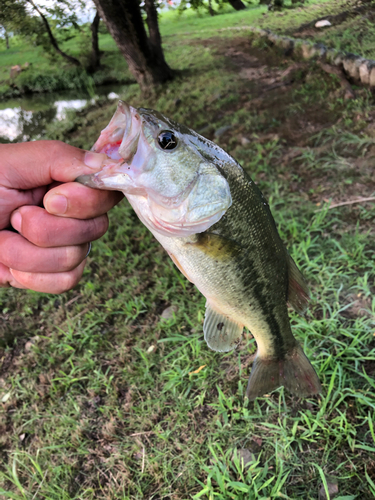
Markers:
43,73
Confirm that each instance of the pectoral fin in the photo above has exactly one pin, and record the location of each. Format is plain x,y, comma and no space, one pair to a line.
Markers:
220,332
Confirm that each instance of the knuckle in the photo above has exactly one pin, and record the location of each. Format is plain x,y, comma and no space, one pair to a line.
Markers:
11,256
70,257
33,228
70,279
56,147
99,226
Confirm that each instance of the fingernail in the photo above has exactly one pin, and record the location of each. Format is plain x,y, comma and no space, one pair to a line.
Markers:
94,160
16,220
56,204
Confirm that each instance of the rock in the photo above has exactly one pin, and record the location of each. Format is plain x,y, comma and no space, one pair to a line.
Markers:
14,71
273,38
351,64
5,398
220,131
338,60
169,312
245,456
309,51
331,55
322,24
333,490
29,345
372,77
286,43
244,141
364,73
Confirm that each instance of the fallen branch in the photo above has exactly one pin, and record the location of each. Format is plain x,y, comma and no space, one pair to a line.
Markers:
351,202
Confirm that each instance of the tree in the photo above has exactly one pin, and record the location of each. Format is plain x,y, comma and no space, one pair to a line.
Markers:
11,15
144,54
51,36
52,24
94,61
237,4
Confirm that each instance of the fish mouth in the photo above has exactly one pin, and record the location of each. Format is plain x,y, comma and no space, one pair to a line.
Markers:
119,141
127,149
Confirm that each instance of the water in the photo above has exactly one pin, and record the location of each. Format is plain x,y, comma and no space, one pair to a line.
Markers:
26,118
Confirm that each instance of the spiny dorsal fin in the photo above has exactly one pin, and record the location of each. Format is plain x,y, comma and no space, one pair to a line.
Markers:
220,332
298,293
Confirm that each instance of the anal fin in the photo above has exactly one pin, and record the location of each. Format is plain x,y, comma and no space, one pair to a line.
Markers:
294,372
220,332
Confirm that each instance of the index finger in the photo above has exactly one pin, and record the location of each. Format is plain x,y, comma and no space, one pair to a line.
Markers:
32,164
80,202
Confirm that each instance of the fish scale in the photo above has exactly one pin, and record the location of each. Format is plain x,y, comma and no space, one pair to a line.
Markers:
218,229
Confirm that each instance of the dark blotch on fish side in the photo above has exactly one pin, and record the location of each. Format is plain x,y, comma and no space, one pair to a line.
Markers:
220,326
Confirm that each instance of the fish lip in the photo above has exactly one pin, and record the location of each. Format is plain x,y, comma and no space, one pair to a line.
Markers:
119,139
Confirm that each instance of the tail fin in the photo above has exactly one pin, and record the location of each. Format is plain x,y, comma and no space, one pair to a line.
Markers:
294,372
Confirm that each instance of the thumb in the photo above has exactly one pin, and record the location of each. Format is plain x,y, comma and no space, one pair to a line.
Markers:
32,164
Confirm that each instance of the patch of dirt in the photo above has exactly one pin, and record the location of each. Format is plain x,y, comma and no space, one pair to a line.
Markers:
272,85
359,306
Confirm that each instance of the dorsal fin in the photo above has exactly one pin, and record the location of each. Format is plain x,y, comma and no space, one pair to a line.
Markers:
220,332
298,292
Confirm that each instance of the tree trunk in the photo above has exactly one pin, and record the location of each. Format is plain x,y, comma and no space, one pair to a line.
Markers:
94,63
237,4
52,39
210,9
144,56
7,40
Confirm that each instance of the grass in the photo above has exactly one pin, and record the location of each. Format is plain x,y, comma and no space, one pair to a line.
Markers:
103,398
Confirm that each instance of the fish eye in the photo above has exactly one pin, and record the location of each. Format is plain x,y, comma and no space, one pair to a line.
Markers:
167,140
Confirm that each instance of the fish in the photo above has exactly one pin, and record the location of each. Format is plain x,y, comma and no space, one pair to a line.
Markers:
218,229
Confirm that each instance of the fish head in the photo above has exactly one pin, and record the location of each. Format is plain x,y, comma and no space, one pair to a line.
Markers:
173,184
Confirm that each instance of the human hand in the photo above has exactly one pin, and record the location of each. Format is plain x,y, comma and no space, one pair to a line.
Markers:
49,251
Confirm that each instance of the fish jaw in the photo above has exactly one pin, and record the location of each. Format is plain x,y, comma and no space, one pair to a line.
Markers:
119,141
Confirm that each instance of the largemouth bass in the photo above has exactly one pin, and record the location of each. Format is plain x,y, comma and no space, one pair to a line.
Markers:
218,229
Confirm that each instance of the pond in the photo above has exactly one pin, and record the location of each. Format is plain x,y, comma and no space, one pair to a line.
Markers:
26,118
